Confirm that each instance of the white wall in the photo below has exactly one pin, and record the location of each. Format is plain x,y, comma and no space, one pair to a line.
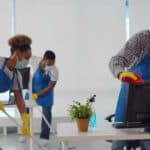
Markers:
85,34
139,14
5,26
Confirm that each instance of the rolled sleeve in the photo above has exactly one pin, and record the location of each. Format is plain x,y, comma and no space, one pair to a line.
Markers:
54,74
115,67
131,53
15,81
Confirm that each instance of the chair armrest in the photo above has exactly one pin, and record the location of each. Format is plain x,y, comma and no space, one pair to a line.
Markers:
109,118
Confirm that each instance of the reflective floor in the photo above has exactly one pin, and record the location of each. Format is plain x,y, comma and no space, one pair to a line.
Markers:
11,142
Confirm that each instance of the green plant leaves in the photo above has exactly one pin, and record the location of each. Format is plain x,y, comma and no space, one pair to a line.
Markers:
81,111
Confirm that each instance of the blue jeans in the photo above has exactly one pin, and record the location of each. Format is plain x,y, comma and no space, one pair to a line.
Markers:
45,130
120,145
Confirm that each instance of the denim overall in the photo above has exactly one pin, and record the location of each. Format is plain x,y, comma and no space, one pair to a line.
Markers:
143,69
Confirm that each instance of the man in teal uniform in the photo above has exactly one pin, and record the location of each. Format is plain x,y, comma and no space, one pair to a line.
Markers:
43,83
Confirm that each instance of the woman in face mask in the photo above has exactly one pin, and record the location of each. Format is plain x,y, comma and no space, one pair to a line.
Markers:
10,78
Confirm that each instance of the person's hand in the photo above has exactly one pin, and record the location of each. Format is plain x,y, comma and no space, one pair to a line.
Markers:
34,96
25,130
12,60
130,77
2,107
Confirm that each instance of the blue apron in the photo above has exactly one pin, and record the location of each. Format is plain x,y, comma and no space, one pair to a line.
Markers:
143,69
5,81
39,82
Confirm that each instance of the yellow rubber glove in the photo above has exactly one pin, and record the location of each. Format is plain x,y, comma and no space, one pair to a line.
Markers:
34,96
2,107
128,77
25,130
131,77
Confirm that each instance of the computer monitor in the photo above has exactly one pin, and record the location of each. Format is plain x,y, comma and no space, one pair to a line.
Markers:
138,104
137,109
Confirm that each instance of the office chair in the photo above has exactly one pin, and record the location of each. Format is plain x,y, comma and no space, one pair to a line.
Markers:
130,144
25,73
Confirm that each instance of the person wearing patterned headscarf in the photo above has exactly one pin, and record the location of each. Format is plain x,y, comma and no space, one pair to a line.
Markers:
131,65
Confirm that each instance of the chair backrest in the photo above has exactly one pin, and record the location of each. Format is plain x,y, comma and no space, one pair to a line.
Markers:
25,72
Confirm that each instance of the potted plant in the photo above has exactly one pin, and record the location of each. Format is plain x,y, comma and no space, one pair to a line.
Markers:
81,113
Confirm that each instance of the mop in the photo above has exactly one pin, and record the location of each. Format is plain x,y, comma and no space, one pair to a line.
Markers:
13,120
54,132
46,121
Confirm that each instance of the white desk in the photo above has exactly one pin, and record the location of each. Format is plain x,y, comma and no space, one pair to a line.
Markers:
67,132
31,105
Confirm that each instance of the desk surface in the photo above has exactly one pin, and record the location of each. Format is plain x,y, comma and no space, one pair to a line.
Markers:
29,103
69,132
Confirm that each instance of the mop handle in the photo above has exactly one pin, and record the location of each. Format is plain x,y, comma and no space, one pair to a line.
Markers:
43,116
46,121
19,125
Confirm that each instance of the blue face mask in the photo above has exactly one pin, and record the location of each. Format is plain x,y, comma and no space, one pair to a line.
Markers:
22,63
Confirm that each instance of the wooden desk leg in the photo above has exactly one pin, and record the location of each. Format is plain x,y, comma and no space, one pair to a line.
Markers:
64,145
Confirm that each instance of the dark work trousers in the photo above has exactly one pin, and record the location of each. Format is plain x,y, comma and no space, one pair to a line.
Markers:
45,131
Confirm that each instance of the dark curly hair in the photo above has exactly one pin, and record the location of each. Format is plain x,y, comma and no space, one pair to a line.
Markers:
20,41
49,54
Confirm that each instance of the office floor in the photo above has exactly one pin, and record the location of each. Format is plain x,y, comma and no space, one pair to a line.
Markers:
11,142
